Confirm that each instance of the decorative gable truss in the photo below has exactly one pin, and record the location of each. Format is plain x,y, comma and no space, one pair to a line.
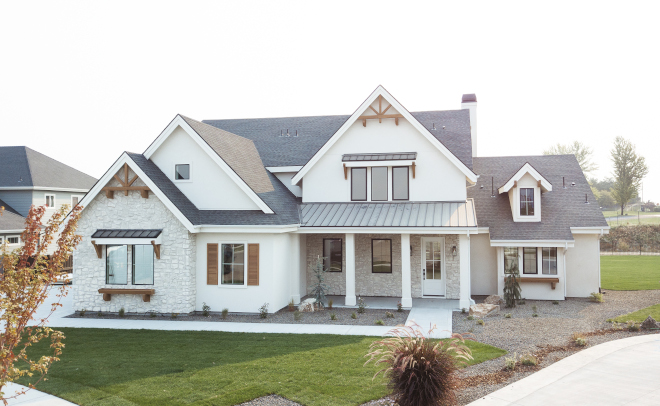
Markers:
380,114
125,185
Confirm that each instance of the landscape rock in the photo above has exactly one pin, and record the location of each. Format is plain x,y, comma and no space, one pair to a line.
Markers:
483,309
307,305
649,323
495,300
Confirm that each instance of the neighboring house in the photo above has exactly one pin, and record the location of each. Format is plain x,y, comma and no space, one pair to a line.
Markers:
28,178
234,213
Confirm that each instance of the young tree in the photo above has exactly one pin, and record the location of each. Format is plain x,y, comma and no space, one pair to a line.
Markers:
27,275
629,170
582,153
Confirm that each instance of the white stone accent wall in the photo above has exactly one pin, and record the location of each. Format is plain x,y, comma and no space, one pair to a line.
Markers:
174,272
452,265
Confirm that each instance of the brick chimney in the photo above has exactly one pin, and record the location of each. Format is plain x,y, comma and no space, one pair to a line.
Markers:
469,102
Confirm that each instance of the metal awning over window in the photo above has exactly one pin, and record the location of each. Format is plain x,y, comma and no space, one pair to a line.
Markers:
390,156
124,236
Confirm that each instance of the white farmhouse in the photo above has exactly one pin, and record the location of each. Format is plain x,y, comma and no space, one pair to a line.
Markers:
233,213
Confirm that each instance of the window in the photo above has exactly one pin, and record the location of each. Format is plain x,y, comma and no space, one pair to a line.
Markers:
549,261
182,172
50,201
116,264
143,265
233,264
13,240
379,183
332,254
529,261
511,258
400,183
527,201
1,240
75,200
359,184
381,256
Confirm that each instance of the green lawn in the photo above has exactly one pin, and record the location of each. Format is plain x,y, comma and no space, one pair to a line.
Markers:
640,315
143,367
630,272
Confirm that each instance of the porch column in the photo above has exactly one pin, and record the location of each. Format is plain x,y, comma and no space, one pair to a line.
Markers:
464,256
406,282
350,270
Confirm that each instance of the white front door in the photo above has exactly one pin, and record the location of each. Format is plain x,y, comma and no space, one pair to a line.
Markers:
433,266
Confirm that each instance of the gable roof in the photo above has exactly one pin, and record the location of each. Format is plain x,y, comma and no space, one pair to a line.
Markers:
526,169
24,167
561,209
10,219
452,129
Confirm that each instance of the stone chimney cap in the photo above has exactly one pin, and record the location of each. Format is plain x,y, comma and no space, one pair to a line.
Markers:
469,98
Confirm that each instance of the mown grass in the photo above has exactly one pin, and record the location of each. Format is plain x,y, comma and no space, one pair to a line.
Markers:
144,367
630,272
640,315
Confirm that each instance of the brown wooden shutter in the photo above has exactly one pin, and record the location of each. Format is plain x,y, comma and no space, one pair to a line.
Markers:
211,264
253,265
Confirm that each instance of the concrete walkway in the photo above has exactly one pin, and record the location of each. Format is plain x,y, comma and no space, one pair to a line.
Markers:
32,397
621,372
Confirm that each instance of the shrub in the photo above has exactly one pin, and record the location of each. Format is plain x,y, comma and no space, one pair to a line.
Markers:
121,312
535,315
225,313
292,305
263,311
511,285
522,302
379,322
152,315
333,316
99,314
353,315
362,306
579,339
470,317
174,315
318,288
330,304
420,371
389,315
596,297
481,322
632,326
297,315
507,316
464,310
529,359
399,307
555,302
510,362
534,309
82,312
205,309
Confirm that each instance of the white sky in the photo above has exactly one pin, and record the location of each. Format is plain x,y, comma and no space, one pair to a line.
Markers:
84,81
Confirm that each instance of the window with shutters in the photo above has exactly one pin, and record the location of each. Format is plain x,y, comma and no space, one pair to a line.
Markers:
232,264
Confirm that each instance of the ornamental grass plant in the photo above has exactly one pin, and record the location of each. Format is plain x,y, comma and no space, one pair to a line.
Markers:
420,371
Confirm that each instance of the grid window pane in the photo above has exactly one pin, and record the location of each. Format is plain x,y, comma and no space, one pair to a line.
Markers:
549,261
529,261
359,184
74,201
433,260
233,264
526,201
381,256
143,265
116,269
400,183
12,240
182,172
332,254
379,183
511,258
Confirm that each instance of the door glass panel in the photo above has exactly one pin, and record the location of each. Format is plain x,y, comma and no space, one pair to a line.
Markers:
437,271
433,260
429,250
437,253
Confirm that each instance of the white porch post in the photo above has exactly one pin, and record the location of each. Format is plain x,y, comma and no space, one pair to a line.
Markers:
350,270
406,282
464,255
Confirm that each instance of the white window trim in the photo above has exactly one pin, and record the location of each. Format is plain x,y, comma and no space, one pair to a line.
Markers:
539,251
2,240
46,201
539,263
189,180
245,266
80,197
536,217
12,236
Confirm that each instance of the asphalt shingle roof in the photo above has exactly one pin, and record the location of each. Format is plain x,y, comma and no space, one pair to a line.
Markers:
281,201
25,167
276,149
561,209
10,218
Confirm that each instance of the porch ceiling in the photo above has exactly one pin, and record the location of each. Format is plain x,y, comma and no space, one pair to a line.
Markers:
390,214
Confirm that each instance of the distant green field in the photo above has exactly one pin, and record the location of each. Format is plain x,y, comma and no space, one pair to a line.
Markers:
612,213
630,272
640,315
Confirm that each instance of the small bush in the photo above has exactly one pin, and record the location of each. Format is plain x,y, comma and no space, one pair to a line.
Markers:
152,315
534,309
174,315
297,315
389,315
507,316
481,322
464,310
511,285
510,362
522,302
632,326
333,316
470,317
555,302
535,315
420,371
379,323
82,312
99,314
330,304
579,339
225,313
362,306
292,306
596,297
263,311
353,315
205,309
529,360
399,307
121,312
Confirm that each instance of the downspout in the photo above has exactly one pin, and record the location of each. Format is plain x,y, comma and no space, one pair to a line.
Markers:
470,268
564,261
602,232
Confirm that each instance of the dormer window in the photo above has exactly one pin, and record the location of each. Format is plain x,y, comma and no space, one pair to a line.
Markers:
526,201
182,172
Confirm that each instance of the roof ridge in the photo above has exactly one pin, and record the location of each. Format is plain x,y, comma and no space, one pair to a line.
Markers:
313,116
27,161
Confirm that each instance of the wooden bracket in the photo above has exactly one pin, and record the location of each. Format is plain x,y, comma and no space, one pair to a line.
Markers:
98,248
110,194
126,185
156,249
380,114
413,170
345,172
539,183
515,183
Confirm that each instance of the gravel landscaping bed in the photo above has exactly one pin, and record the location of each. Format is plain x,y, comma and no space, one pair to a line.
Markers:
342,315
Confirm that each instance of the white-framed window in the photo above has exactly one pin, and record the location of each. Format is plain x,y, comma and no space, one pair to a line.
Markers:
549,266
143,264
183,172
50,201
233,265
532,259
2,240
13,239
75,199
116,264
526,201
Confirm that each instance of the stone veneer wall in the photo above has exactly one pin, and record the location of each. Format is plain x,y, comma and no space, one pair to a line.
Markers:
335,280
452,265
174,272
